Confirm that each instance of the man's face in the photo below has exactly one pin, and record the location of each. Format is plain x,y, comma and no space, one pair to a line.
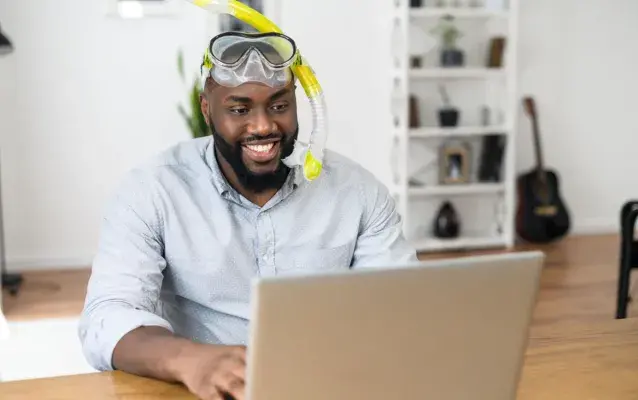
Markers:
254,127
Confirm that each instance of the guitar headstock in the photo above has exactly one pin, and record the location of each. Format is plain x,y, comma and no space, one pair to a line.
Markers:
530,106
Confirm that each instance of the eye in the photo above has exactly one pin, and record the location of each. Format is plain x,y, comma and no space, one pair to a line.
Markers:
239,110
281,107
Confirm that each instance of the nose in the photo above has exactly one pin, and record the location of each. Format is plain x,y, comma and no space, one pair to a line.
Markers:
262,124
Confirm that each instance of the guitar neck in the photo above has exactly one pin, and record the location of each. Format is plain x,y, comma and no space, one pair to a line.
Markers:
530,107
540,165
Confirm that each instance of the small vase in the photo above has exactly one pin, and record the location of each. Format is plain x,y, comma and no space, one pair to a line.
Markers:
446,224
448,117
452,58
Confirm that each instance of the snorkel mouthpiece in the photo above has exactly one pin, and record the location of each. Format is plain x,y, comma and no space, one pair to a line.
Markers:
255,68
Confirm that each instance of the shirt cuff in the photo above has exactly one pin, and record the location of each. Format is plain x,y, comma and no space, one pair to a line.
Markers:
108,330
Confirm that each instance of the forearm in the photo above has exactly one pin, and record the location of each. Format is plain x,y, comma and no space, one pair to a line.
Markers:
153,352
208,371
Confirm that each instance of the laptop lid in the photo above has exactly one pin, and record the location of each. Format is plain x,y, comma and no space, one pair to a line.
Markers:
447,329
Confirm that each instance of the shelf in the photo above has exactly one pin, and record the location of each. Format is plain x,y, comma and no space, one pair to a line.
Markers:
457,73
469,243
472,82
432,12
457,189
458,131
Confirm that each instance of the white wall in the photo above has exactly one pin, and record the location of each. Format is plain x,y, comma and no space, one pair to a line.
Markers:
74,118
84,98
578,59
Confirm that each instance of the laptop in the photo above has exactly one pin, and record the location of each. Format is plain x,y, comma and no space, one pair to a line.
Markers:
446,330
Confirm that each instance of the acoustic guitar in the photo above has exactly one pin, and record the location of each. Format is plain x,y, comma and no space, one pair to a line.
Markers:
541,215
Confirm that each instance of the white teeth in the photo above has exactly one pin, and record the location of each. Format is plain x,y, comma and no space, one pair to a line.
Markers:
260,148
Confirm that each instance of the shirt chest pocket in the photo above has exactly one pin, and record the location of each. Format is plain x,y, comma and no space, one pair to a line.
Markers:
309,259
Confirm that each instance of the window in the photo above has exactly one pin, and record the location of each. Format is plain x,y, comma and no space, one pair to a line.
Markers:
132,9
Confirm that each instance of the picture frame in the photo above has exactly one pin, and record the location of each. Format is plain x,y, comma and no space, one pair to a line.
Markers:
139,9
454,164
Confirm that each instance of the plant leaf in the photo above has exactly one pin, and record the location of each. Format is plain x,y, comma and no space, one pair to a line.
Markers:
180,64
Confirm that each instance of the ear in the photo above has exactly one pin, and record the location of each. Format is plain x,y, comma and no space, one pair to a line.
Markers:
203,105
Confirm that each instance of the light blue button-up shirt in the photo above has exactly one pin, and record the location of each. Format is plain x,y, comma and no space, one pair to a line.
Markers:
179,246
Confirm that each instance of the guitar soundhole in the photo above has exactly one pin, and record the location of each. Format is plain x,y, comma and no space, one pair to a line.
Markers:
541,191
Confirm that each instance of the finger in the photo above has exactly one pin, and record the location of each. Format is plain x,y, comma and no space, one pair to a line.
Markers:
237,394
232,382
234,357
239,371
233,385
235,364
240,353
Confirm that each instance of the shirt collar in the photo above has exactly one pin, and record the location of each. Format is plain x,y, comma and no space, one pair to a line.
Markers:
219,181
217,177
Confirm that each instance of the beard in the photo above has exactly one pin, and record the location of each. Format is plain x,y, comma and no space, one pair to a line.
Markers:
256,182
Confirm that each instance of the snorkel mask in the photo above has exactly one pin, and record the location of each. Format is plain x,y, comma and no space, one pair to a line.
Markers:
234,58
271,58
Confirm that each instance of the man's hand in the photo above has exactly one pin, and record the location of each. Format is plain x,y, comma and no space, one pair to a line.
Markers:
211,372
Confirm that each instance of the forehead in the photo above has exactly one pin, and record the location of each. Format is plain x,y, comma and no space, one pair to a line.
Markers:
252,91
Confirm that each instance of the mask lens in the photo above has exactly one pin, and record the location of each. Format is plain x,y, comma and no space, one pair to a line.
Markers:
277,50
228,49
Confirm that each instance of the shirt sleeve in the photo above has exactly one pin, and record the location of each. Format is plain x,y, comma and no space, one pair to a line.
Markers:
127,272
381,242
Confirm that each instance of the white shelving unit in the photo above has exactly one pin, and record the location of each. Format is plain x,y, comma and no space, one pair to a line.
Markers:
466,131
456,73
486,209
469,12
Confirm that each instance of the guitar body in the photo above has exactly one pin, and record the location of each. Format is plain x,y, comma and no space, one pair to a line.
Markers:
540,218
541,214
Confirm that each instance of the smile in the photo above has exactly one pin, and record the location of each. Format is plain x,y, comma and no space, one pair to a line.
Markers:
262,152
261,148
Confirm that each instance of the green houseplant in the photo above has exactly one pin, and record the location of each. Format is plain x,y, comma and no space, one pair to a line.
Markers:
193,116
451,55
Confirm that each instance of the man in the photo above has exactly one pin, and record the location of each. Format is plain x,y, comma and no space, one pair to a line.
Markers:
185,234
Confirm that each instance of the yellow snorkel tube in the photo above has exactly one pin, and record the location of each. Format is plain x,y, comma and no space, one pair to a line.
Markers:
310,155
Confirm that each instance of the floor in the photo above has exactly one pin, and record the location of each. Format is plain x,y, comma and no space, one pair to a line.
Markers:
578,284
43,322
48,294
579,280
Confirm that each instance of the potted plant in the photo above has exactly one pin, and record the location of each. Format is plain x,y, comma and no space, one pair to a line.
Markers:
451,55
448,114
193,117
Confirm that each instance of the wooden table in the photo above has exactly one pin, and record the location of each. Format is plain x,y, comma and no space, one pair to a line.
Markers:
594,361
